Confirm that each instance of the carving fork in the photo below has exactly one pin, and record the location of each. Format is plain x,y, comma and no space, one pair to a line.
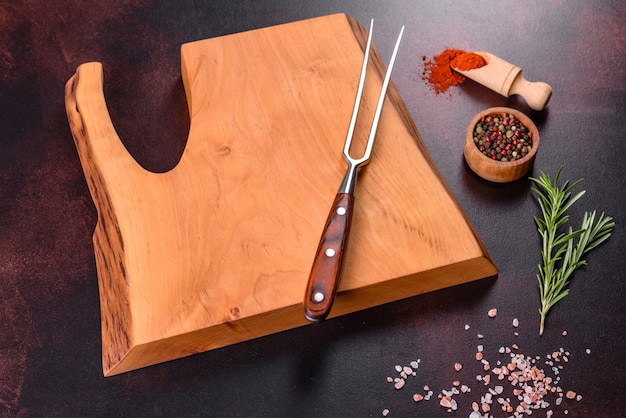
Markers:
322,284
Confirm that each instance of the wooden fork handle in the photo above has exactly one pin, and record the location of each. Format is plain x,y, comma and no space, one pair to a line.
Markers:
322,284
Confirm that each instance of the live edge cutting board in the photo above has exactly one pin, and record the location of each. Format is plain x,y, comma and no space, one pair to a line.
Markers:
218,250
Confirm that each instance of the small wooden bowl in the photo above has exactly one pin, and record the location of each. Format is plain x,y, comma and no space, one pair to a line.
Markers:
498,171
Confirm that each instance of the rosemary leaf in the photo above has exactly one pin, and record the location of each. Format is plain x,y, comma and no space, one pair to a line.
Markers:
562,252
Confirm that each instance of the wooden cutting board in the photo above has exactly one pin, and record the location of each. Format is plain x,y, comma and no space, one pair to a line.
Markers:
218,250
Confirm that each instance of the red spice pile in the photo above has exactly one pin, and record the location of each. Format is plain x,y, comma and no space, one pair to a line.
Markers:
438,71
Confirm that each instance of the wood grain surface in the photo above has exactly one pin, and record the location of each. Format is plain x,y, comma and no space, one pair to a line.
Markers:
198,257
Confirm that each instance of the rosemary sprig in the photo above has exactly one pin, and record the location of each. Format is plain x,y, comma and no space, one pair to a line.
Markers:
561,255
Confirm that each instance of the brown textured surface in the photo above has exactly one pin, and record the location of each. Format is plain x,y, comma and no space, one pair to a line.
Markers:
200,256
49,309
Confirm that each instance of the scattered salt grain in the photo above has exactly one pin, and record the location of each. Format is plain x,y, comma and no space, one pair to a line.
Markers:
530,384
492,313
448,402
445,402
453,405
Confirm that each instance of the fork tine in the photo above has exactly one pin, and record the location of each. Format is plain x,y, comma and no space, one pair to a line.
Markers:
348,183
359,93
381,99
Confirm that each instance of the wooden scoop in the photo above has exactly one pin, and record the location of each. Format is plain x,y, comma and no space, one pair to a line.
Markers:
507,79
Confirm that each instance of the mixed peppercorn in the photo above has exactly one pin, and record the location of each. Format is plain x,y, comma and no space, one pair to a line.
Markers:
502,137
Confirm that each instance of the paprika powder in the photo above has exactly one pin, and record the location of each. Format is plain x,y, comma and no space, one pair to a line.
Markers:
438,71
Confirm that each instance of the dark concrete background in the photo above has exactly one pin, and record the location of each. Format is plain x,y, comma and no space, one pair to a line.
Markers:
49,305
